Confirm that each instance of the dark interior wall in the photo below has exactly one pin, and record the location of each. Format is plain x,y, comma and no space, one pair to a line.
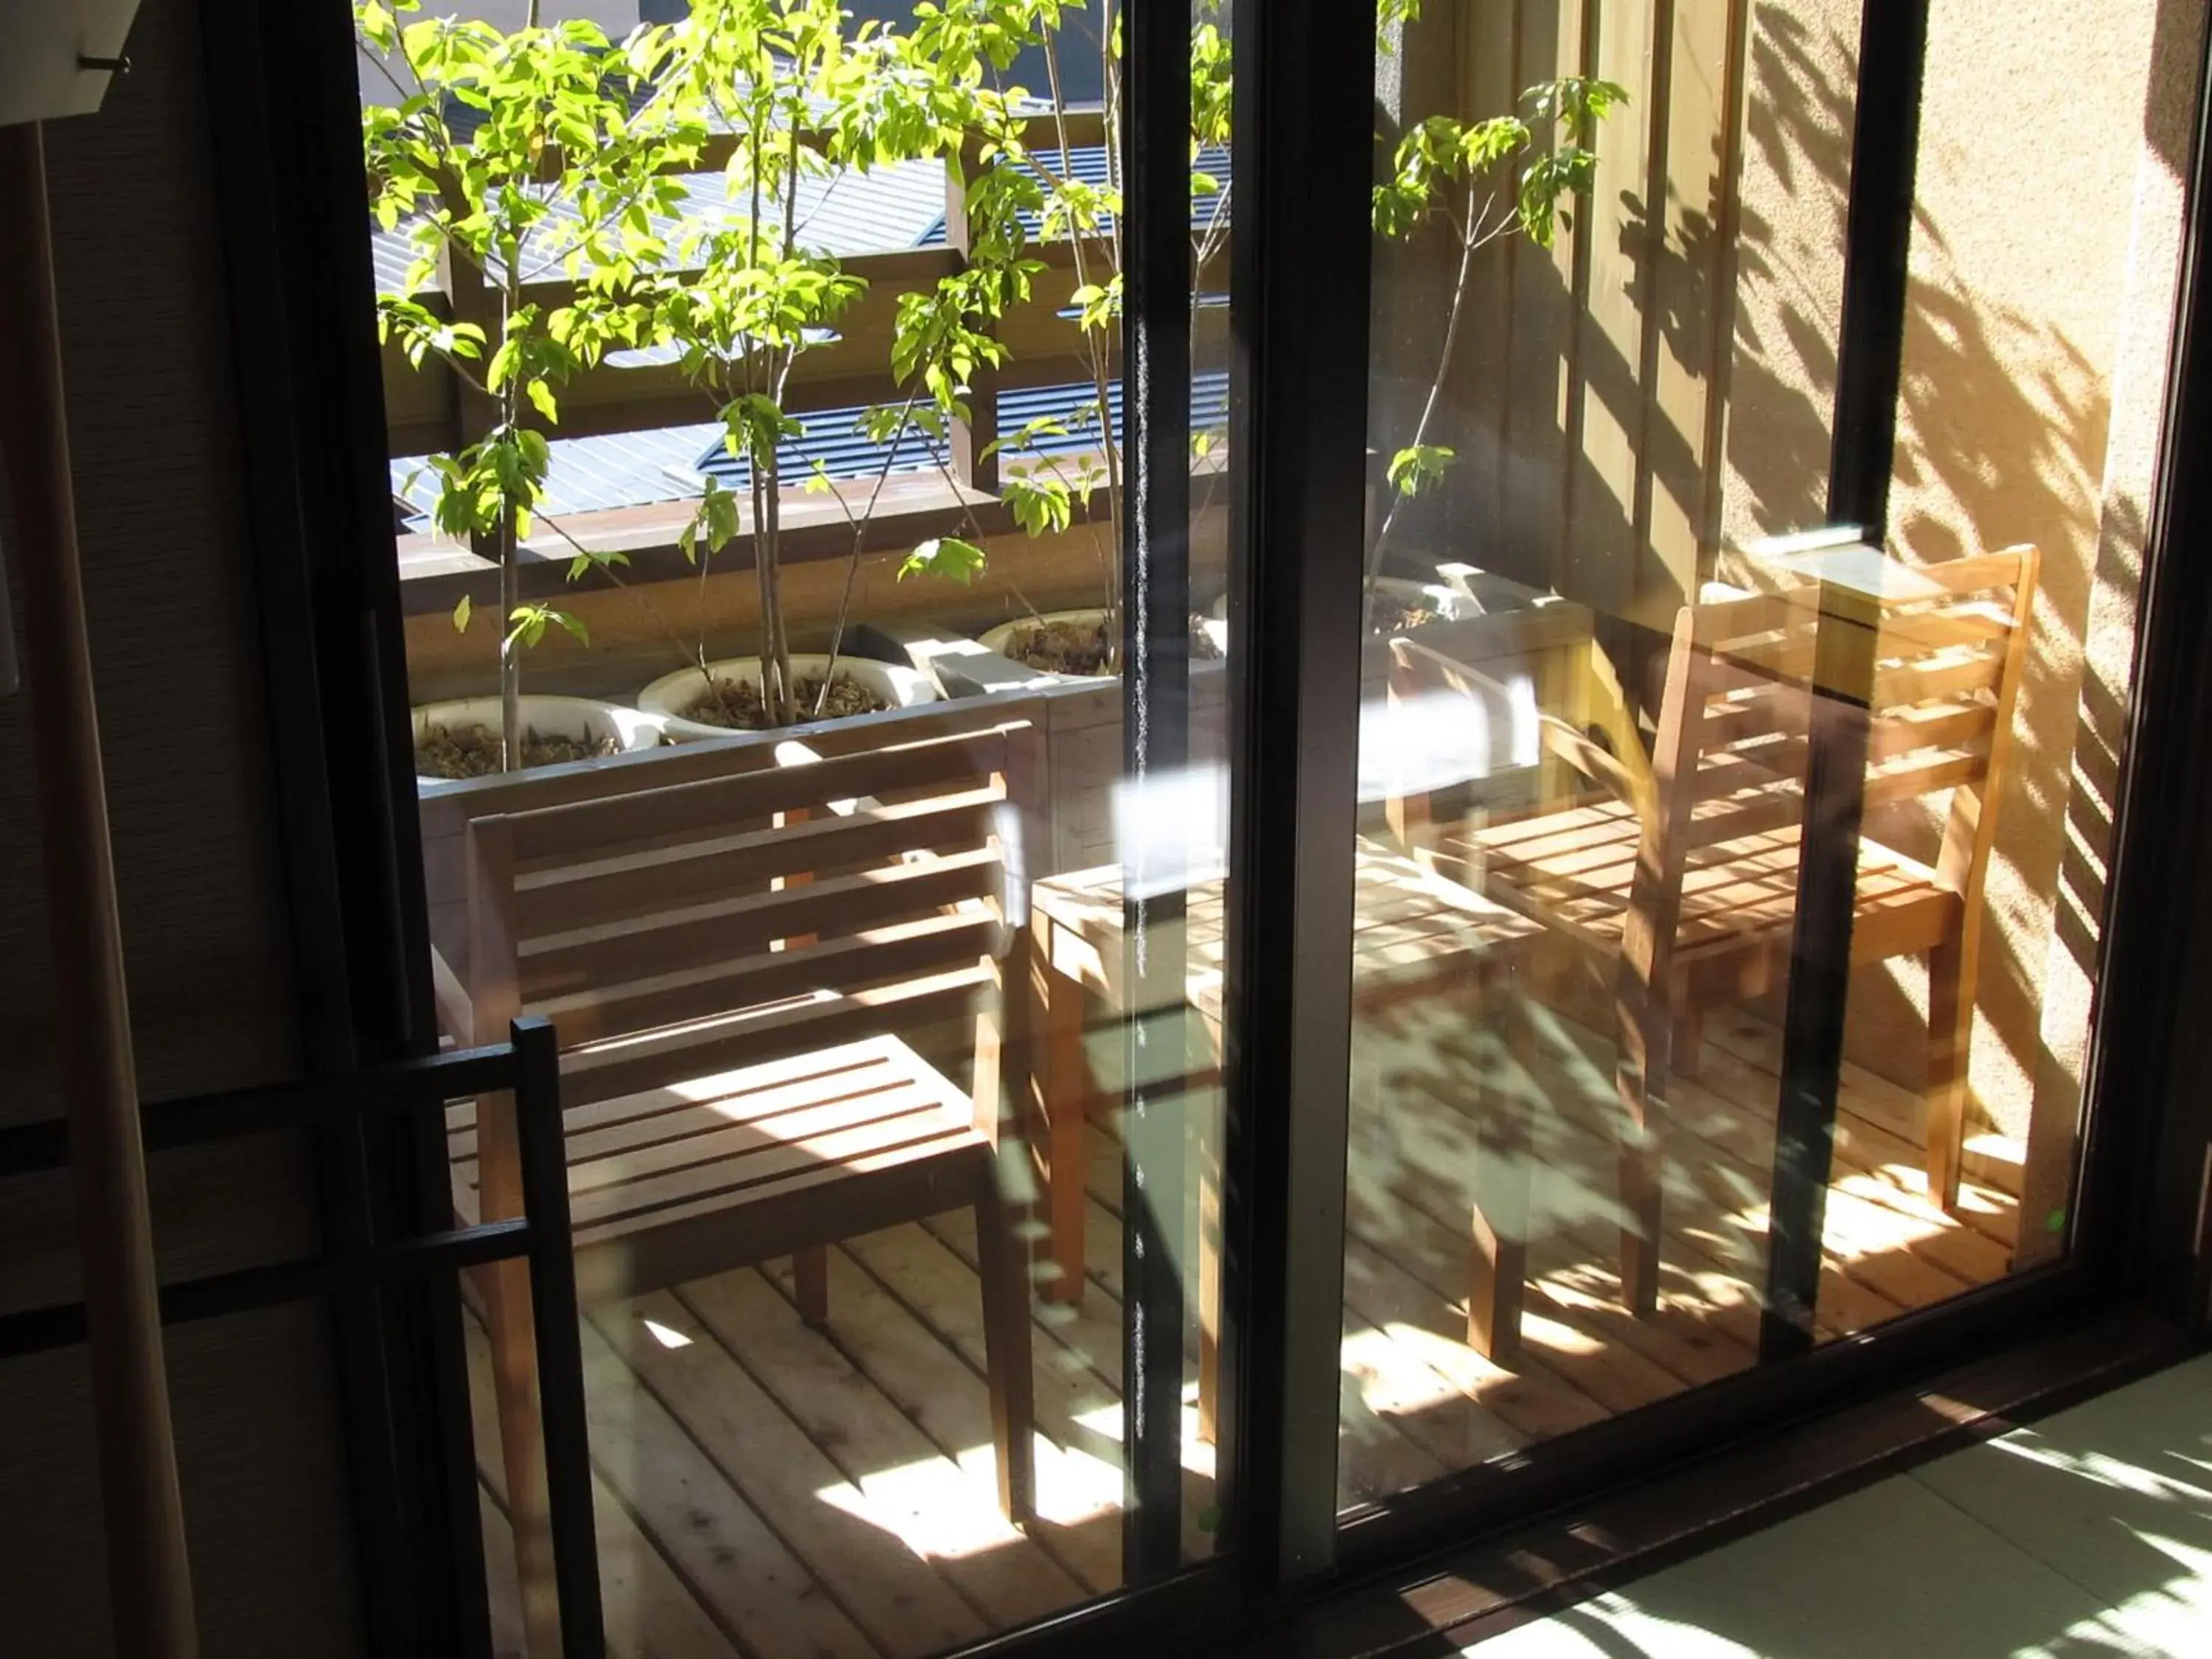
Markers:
148,353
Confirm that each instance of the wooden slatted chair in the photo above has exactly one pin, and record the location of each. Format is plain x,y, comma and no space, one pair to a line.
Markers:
734,967
1680,878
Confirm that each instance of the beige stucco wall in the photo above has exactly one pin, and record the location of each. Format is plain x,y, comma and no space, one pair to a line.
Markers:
2043,268
1801,72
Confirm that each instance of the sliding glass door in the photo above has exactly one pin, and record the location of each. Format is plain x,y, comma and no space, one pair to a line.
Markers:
1283,776
1756,470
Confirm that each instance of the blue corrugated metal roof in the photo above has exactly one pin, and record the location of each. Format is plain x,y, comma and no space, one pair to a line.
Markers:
879,211
833,436
585,475
1087,163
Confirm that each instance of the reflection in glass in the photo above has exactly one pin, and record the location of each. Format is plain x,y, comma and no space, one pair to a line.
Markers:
1609,625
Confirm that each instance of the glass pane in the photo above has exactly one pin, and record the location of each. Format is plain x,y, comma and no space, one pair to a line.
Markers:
1582,392
2034,371
1610,627
773,719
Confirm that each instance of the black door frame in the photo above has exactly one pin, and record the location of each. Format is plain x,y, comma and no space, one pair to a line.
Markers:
295,208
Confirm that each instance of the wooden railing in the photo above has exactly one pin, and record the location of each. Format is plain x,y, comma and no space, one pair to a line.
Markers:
1587,400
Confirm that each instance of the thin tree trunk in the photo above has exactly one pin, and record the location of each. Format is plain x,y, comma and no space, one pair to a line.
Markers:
768,677
1109,443
768,543
1469,241
510,650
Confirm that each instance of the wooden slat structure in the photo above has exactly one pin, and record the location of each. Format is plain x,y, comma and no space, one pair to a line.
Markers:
771,1488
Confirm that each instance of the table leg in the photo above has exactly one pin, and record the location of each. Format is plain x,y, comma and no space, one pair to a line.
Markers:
1064,1091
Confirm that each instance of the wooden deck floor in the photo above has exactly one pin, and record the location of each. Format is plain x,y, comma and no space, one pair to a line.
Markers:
767,1490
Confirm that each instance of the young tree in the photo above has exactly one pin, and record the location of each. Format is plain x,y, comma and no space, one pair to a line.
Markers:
1462,176
1487,179
526,168
802,98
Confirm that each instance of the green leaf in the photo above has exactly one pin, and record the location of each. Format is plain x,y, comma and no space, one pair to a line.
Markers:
944,556
541,395
461,614
1418,466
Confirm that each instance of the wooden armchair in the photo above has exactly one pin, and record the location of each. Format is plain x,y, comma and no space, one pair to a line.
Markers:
1680,879
735,967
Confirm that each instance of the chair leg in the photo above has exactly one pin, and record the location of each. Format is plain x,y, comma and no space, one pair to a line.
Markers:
1639,1233
810,1271
1067,1105
1646,1036
1497,1257
1950,1030
1003,1268
505,1290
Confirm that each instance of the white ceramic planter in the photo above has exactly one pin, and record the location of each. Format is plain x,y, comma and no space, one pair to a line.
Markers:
1491,592
1004,638
580,718
667,697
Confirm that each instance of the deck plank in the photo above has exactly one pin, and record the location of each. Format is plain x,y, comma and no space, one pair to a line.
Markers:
768,1599
1430,1178
924,1464
502,1584
861,1555
1529,1404
881,1327
650,1612
768,1488
1882,1166
1620,1379
1994,1160
1376,1453
1862,1282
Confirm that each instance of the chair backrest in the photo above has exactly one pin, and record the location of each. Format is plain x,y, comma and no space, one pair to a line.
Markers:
1938,656
447,810
768,913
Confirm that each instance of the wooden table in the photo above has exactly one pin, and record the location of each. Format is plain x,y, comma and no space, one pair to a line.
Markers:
1413,934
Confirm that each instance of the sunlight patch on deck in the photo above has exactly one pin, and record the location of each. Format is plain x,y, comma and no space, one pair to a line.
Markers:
929,1505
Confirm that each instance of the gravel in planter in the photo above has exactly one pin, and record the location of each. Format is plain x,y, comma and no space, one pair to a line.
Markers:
739,705
473,751
1393,615
1073,647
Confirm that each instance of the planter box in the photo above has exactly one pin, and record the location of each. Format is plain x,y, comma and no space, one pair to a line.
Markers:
581,718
